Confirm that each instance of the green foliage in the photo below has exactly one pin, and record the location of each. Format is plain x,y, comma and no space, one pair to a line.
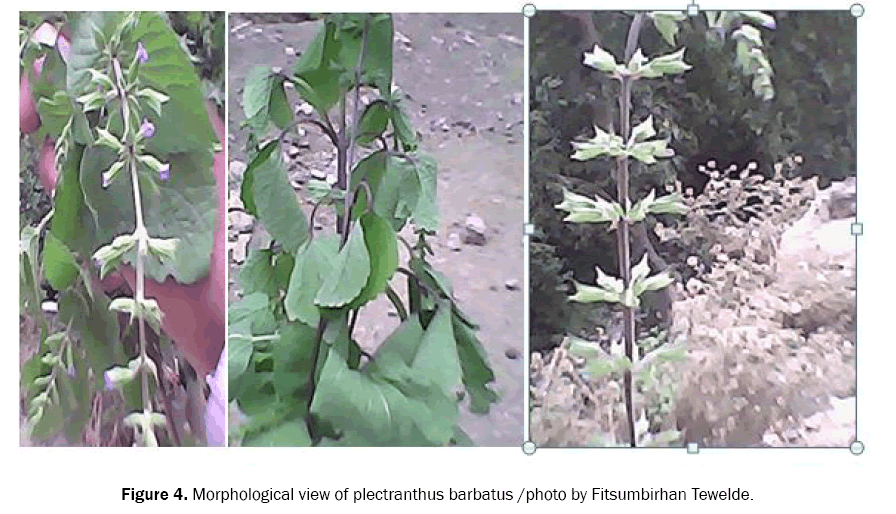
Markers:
294,367
115,116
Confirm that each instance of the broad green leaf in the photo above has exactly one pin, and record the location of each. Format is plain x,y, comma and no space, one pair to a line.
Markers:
59,265
382,247
55,113
401,122
247,189
239,354
185,209
276,204
317,71
401,344
254,309
184,125
313,264
294,362
374,121
257,273
477,374
264,99
351,270
254,392
437,356
426,212
97,328
383,413
73,222
291,434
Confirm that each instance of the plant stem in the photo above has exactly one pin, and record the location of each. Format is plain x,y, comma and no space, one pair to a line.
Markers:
142,240
142,247
622,189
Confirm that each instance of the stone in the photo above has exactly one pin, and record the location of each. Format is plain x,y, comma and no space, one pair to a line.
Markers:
453,242
475,231
241,222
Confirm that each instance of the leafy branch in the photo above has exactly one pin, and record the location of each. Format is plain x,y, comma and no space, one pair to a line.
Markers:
311,386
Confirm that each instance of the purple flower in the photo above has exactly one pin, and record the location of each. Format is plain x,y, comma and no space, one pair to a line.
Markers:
147,129
770,24
106,181
165,172
107,380
70,371
142,54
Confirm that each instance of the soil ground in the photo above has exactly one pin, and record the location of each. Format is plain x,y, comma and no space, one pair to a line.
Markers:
464,74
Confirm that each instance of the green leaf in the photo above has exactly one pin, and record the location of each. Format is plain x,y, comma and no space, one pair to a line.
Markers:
591,294
666,23
382,247
294,362
426,211
254,309
600,59
239,354
274,201
477,374
669,204
313,263
437,356
264,99
247,189
97,328
184,125
72,221
643,131
291,434
603,143
59,265
405,410
582,209
317,71
351,270
401,122
185,209
374,121
257,273
55,112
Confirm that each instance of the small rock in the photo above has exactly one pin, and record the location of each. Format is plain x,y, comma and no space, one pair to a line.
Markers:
234,202
512,354
475,231
241,222
453,242
290,51
239,248
237,168
305,108
513,40
512,284
516,99
401,38
319,174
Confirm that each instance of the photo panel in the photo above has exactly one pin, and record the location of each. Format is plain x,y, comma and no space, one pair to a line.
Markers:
375,207
693,209
122,229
